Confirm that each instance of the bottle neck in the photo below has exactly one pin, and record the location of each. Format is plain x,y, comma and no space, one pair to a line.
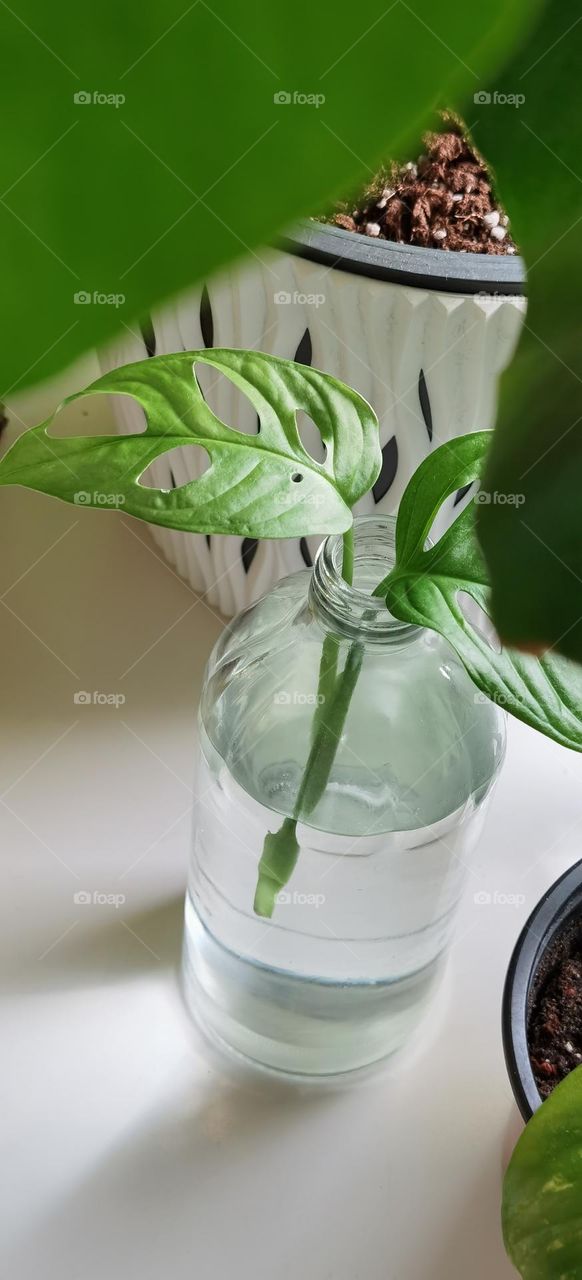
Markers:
354,611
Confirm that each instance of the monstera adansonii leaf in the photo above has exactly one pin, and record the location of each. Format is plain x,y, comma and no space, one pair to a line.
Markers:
264,485
427,585
542,1191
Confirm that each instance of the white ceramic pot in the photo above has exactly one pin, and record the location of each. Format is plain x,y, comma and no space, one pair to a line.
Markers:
421,333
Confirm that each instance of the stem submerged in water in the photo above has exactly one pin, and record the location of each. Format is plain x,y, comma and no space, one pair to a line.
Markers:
326,680
278,860
281,848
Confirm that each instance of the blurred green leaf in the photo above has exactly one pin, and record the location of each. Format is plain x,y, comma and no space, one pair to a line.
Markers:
542,1191
143,145
534,550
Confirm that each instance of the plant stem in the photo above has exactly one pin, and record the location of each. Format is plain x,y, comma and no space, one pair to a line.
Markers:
330,650
326,679
324,749
348,556
334,693
281,848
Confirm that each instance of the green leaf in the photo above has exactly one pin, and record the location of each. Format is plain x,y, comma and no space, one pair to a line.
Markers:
261,486
424,589
542,1191
534,551
138,198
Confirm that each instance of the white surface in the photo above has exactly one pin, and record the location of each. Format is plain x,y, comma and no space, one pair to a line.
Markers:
129,1149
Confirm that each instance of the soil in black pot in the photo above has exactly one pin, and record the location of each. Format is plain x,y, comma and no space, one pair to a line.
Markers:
555,1020
444,200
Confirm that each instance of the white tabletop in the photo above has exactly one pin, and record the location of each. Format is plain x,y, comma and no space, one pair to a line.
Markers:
130,1148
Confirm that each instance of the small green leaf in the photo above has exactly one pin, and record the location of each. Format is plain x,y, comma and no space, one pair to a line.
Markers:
542,1191
262,486
447,469
425,585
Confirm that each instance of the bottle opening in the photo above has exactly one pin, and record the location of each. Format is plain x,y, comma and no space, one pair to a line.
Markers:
354,609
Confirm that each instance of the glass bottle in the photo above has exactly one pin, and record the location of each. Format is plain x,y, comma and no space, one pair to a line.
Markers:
338,977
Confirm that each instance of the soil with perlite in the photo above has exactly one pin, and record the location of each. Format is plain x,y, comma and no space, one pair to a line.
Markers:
555,1020
443,200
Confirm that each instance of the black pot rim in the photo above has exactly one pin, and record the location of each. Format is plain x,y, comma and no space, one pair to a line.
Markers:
553,913
435,269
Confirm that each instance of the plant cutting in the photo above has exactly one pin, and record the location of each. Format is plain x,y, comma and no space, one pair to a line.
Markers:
333,299
261,167
350,723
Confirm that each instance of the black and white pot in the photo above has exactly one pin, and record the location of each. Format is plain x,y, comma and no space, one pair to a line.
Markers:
421,333
552,931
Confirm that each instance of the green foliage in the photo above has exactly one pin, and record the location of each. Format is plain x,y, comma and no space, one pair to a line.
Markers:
534,550
424,588
261,486
133,167
268,485
542,1191
192,162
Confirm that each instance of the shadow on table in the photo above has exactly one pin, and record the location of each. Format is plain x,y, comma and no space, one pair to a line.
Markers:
201,1189
125,945
244,1180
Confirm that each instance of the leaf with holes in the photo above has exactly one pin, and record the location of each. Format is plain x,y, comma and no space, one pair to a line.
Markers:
542,1190
261,486
425,585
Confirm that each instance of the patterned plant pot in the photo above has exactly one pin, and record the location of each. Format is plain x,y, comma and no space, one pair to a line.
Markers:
421,333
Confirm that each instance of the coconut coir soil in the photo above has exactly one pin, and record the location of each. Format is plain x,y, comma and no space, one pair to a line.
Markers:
443,201
555,1023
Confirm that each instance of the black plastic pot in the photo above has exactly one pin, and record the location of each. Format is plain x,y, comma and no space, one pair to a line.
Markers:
553,927
405,264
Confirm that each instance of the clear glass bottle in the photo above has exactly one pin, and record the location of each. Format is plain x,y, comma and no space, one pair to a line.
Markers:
339,976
